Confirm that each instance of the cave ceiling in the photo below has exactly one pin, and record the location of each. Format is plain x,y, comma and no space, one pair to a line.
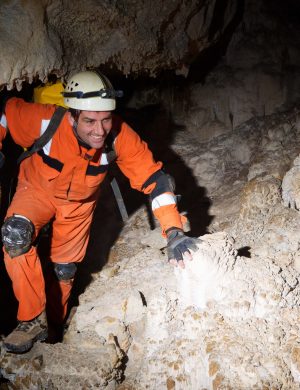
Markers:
132,37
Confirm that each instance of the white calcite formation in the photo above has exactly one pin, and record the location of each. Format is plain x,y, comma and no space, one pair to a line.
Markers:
291,186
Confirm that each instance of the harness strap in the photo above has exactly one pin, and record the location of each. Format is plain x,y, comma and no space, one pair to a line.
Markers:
110,147
111,156
46,136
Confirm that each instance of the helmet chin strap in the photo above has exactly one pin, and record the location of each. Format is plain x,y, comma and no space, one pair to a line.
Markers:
75,124
74,128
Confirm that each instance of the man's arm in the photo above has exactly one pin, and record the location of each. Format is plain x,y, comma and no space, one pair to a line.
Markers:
160,187
3,132
136,161
23,120
163,201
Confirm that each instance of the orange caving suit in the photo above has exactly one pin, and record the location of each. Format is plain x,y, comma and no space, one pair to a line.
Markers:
61,183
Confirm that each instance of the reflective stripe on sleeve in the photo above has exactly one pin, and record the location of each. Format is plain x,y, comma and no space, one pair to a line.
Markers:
3,121
44,125
163,200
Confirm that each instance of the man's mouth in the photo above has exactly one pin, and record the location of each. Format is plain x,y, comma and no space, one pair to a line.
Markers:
97,137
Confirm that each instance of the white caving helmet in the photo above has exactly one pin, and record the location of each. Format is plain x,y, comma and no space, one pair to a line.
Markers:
90,91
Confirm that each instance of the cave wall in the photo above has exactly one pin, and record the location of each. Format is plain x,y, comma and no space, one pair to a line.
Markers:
258,74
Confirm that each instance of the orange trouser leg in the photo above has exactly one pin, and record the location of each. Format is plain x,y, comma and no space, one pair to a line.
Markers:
25,270
58,293
71,231
27,278
70,235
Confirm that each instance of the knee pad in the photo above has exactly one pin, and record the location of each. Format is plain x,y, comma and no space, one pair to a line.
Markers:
17,235
65,271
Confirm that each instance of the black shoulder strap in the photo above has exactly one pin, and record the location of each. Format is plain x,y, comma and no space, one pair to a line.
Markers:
110,147
47,135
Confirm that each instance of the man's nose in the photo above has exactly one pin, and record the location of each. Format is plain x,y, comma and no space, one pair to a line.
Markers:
99,130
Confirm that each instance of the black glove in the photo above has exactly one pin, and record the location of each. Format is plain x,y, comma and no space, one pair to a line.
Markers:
179,243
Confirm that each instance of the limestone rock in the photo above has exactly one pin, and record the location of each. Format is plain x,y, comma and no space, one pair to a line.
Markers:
63,366
32,48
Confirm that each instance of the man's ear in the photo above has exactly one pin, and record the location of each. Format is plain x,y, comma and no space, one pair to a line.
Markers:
70,119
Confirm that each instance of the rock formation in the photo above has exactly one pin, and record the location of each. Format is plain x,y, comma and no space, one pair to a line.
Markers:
131,36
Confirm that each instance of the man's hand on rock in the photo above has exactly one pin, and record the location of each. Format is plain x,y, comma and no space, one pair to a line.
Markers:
291,188
180,246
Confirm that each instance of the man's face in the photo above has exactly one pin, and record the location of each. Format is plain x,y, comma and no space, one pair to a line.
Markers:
93,127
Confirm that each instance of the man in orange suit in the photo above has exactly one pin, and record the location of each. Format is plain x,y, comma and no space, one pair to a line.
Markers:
61,183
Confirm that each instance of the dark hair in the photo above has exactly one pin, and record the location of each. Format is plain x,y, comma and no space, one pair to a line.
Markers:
75,113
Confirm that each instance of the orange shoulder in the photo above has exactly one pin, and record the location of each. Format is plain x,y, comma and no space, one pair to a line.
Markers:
24,120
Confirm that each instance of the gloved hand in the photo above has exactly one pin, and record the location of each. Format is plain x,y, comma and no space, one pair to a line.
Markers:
180,246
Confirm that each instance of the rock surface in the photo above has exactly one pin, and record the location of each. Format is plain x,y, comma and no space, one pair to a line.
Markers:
62,366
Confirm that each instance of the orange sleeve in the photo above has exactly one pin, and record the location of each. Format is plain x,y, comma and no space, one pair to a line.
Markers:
168,217
24,120
134,157
136,162
3,132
